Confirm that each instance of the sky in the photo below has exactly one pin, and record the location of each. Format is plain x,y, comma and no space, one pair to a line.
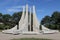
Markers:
43,7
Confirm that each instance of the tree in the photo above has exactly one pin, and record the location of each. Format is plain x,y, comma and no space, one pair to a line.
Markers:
6,17
52,22
56,17
2,26
0,14
16,17
46,20
1,17
9,21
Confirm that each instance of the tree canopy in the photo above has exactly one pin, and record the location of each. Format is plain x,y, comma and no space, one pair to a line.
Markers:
9,21
52,21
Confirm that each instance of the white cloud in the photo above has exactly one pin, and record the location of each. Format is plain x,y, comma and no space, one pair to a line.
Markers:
13,10
17,7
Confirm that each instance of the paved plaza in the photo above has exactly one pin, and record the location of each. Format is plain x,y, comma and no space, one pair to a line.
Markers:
55,36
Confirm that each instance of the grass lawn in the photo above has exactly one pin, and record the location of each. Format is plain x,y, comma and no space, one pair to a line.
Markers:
31,39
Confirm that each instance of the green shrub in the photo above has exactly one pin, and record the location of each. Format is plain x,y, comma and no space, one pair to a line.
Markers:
2,26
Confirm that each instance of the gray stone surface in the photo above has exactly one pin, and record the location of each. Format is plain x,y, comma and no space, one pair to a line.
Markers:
55,36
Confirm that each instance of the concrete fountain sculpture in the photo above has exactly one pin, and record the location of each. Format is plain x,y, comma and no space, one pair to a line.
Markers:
25,25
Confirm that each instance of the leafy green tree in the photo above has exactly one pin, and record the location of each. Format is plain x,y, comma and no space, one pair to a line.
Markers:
16,17
52,22
6,17
0,14
2,26
46,20
1,17
56,17
10,21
